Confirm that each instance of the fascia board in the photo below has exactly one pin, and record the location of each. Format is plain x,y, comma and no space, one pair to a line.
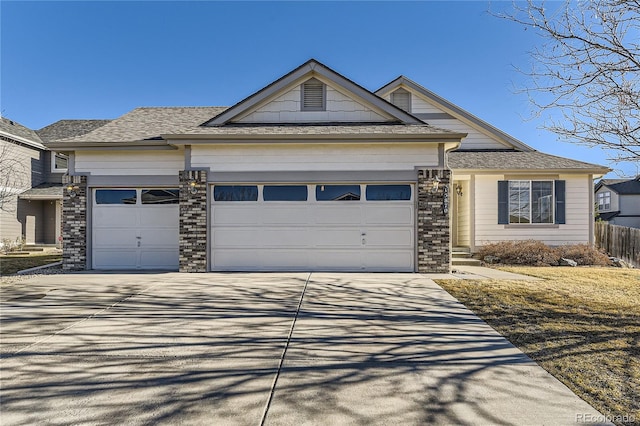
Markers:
596,172
297,138
23,140
132,145
454,110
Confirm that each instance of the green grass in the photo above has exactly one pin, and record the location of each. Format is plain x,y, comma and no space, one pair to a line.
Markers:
580,324
12,264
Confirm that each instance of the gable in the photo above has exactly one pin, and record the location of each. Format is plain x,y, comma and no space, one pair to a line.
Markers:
280,102
441,113
338,107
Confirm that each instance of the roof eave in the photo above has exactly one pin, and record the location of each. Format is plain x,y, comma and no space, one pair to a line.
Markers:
597,172
145,144
296,137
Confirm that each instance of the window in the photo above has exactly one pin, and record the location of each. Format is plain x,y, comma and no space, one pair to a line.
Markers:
313,95
160,196
604,201
59,162
402,99
284,193
530,201
235,193
388,192
338,192
116,196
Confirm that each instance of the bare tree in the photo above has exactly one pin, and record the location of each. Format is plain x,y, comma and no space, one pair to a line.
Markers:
586,72
13,176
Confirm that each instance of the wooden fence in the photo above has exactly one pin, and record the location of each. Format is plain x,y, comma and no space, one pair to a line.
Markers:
619,241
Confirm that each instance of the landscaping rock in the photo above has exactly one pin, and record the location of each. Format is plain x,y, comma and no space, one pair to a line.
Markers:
619,263
491,259
567,262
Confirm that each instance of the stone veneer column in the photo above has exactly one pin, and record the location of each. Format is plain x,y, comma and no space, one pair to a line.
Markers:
74,223
434,233
193,221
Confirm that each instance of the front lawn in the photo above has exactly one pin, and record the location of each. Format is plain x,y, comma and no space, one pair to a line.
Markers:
12,264
580,324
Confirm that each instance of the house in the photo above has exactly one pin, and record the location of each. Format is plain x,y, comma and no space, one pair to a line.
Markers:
312,172
31,188
618,201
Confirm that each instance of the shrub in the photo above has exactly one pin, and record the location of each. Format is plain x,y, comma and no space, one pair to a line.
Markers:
536,253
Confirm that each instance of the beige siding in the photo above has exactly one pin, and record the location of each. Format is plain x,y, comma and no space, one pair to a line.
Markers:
130,162
10,226
314,157
578,215
286,109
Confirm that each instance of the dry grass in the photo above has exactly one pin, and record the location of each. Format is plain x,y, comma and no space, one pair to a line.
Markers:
580,324
12,264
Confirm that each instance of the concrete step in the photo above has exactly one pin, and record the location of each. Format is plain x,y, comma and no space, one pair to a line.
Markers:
465,262
32,248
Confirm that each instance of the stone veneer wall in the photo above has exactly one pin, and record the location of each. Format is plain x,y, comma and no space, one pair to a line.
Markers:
193,221
74,224
434,233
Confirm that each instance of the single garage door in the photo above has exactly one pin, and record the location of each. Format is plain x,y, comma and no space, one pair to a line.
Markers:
347,227
135,228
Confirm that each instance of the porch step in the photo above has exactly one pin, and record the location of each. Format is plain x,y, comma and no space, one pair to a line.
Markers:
33,248
462,256
465,262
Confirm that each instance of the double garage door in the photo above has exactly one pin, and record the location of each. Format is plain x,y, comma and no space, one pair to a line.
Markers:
354,227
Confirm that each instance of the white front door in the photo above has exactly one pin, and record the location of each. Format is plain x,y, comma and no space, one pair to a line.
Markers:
135,228
349,227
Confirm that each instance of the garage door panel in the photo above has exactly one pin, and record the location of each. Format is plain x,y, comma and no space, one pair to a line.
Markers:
285,215
394,237
235,237
336,237
235,259
159,217
240,215
284,237
109,238
159,237
387,260
159,259
338,214
386,215
115,259
111,216
285,259
338,259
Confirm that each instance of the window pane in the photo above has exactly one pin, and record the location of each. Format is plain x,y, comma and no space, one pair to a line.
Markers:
388,192
115,196
61,161
519,211
235,193
541,202
338,192
160,196
284,193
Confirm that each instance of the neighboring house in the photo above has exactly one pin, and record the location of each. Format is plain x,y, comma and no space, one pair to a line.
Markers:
313,172
32,180
618,201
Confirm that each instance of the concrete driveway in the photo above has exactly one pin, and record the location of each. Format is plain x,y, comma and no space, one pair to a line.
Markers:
251,349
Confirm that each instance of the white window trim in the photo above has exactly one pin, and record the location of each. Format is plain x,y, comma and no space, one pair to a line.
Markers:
553,201
324,97
54,169
602,207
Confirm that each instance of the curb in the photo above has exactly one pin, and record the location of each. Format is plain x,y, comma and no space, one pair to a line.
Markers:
36,268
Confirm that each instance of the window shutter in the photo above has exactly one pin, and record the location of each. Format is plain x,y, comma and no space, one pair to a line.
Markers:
503,202
313,95
402,99
560,191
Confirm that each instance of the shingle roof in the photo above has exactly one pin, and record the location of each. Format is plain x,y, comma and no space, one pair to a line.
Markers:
622,186
17,129
148,124
516,160
45,191
324,129
68,128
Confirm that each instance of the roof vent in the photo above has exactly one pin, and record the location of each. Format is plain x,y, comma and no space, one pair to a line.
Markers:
313,95
402,99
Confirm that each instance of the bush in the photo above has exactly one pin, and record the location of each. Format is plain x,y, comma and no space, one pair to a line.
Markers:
536,253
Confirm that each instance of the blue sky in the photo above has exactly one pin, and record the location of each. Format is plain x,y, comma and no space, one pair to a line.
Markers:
91,59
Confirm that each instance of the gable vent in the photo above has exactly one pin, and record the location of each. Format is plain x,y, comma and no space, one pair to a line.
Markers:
402,99
313,95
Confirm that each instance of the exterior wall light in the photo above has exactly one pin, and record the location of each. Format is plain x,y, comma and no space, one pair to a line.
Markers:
193,189
459,189
72,191
435,184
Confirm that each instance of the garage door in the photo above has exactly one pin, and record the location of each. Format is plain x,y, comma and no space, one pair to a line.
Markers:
355,227
135,228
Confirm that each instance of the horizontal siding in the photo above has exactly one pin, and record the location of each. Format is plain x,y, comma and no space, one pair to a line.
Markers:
130,162
24,165
463,214
575,231
420,106
10,226
314,157
474,140
286,109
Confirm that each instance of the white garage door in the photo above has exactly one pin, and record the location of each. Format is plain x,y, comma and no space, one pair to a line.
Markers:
352,227
135,228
